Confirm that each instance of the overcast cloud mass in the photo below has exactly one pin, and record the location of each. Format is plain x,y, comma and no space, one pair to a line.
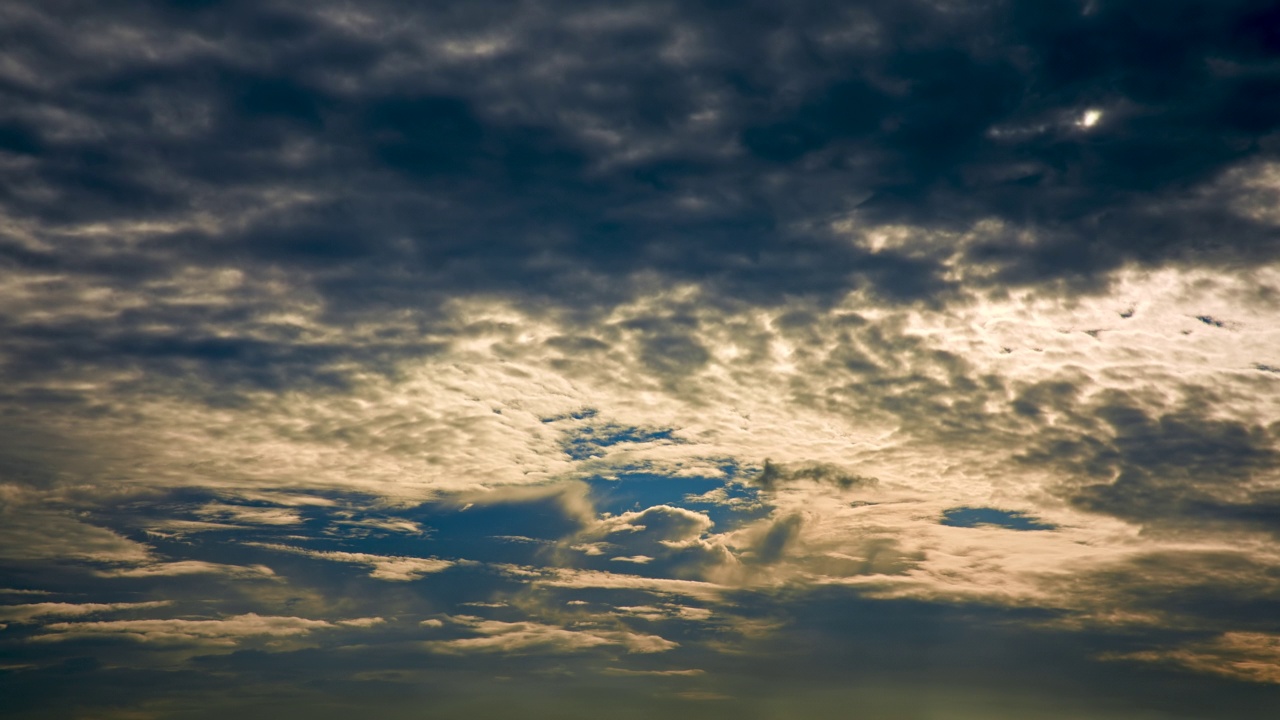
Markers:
900,360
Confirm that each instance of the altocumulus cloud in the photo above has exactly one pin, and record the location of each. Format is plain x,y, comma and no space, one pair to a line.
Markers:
640,352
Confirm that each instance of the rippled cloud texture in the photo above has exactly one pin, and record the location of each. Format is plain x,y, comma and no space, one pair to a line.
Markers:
911,360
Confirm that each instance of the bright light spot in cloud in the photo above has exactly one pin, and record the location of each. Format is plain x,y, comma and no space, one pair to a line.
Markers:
1089,119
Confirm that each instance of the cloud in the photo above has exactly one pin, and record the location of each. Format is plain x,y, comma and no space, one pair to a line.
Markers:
773,542
637,559
1197,589
227,632
178,528
864,267
569,498
280,498
35,611
624,672
250,515
217,216
32,535
773,475
395,525
925,400
584,579
384,567
1181,467
657,525
188,567
667,539
665,611
523,637
1253,657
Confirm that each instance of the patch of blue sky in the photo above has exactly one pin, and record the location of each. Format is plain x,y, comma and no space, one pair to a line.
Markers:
515,532
726,502
590,441
627,492
991,517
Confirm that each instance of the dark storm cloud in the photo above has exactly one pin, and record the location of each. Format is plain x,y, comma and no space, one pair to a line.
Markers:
391,158
464,157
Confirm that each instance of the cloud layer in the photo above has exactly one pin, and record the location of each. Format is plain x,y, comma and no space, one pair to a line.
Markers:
364,356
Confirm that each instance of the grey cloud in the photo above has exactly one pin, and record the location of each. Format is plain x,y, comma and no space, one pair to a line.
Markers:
773,476
41,536
673,355
773,543
1182,467
876,556
557,156
1190,594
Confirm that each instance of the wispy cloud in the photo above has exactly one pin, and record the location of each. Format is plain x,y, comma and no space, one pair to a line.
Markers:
384,567
522,637
187,567
226,632
35,611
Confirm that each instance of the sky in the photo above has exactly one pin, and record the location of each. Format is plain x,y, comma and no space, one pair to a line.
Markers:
897,359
